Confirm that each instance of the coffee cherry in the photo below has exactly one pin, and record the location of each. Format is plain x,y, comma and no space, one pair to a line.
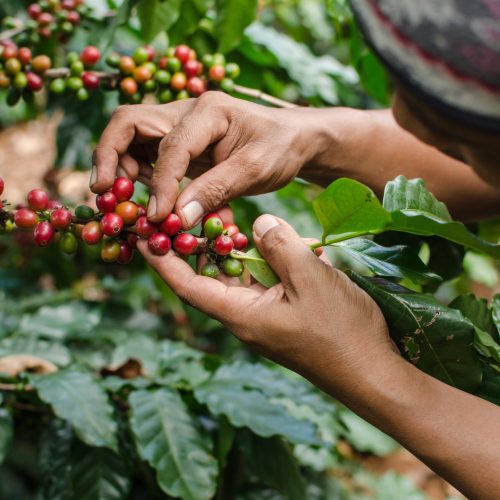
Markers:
91,233
213,228
2,186
128,211
34,10
54,205
113,60
82,94
13,66
140,55
207,60
4,80
216,73
43,233
227,85
231,229
126,65
110,251
171,225
68,243
192,68
208,216
144,228
20,81
240,241
223,245
132,240
178,81
126,253
183,94
57,86
34,82
232,70
61,218
106,202
111,224
173,65
74,83
74,18
233,267
44,19
40,64
185,244
24,55
142,74
68,4
159,244
165,96
163,77
90,55
84,212
196,86
182,53
25,218
45,32
128,86
38,200
9,52
210,270
219,59
142,210
123,189
90,80
76,68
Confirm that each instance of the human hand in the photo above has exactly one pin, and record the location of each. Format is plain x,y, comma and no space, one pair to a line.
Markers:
253,149
316,321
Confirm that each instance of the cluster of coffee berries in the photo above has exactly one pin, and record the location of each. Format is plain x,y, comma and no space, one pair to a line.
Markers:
173,75
118,225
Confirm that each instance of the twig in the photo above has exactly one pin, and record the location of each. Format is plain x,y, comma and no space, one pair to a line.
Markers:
64,72
258,94
14,388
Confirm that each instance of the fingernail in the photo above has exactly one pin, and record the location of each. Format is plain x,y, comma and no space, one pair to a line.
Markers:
263,224
192,213
93,176
152,206
120,172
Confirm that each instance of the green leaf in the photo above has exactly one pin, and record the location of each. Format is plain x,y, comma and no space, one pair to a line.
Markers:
187,22
477,311
98,474
487,345
169,440
273,462
75,396
259,268
6,433
490,386
435,338
50,351
229,392
233,16
347,208
495,309
157,16
398,261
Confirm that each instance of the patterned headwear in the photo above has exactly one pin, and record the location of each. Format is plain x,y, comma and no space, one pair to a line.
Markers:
446,51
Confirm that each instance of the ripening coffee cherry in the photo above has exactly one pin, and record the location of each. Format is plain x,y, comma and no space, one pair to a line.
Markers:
240,241
132,240
61,218
74,18
223,245
196,86
185,244
106,202
140,55
24,55
232,70
13,66
43,233
123,189
2,186
233,267
68,243
25,218
213,228
231,229
90,80
126,253
144,228
34,10
34,82
128,211
182,53
208,216
40,64
84,212
4,80
90,55
216,73
178,81
192,68
20,81
38,200
151,52
68,4
91,233
44,19
226,85
128,86
171,225
126,65
111,224
210,270
159,244
110,251
142,74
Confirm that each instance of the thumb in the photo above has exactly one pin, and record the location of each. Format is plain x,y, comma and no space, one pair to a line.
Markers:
284,250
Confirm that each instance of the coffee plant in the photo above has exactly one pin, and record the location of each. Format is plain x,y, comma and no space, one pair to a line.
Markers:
110,386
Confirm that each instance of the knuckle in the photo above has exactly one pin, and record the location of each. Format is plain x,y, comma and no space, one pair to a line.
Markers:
217,193
121,112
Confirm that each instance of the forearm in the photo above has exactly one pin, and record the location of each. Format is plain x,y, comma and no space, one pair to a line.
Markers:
369,146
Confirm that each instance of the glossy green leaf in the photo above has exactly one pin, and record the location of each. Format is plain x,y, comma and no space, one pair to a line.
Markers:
398,261
189,18
169,439
232,17
6,433
435,338
76,396
229,392
24,344
477,311
259,268
157,16
347,208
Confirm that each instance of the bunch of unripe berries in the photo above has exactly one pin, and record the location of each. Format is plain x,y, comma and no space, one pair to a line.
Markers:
118,225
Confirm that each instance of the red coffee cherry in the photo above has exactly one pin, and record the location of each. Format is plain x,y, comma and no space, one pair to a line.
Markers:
90,55
24,55
110,251
61,218
240,241
38,200
142,74
126,253
182,53
90,80
35,83
40,64
25,218
128,211
171,225
192,68
68,4
231,229
128,86
74,18
178,81
123,189
132,240
106,202
142,210
159,244
34,10
43,234
54,205
144,228
2,186
91,233
44,19
9,52
216,73
196,86
223,245
111,224
185,244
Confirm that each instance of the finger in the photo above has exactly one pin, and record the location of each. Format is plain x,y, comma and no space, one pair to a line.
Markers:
284,250
188,140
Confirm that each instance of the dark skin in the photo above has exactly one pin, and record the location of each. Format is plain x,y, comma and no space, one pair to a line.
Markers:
234,148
